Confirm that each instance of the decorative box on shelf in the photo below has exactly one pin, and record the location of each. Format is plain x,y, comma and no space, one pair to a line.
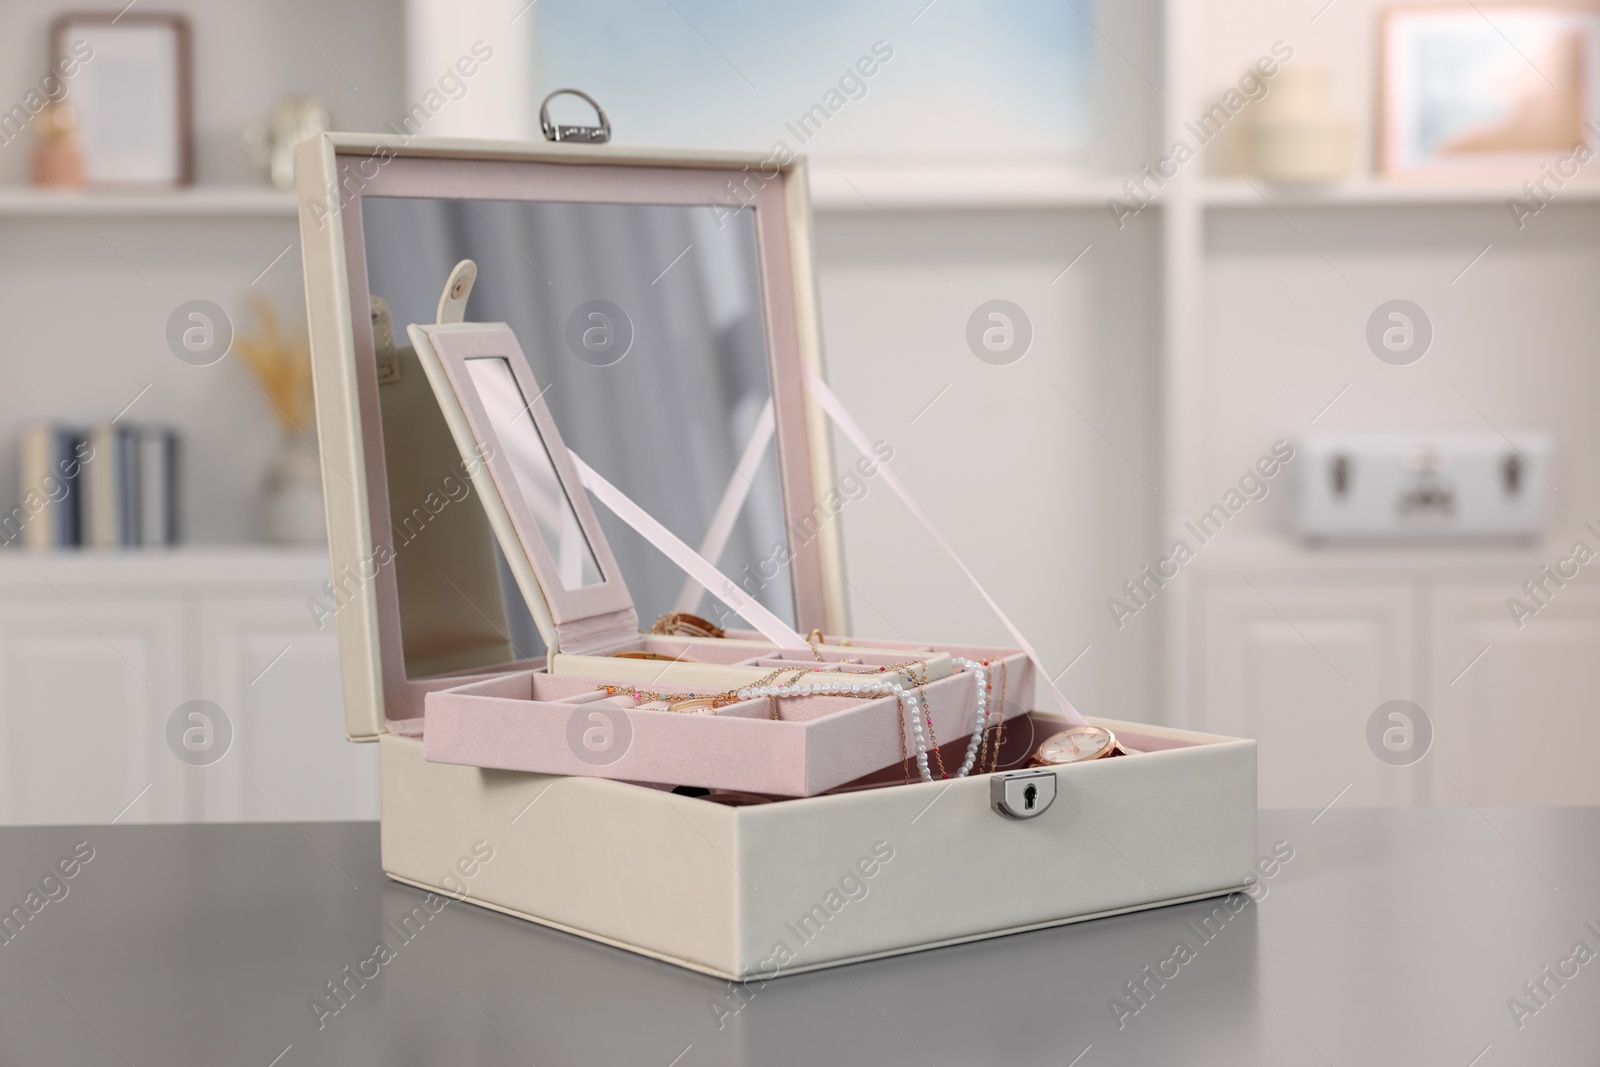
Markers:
699,795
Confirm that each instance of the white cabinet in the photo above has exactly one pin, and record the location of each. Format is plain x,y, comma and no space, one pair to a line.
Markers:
1521,725
277,677
1303,658
1301,669
97,653
86,682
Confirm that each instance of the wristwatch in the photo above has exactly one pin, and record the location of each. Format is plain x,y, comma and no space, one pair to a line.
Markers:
1077,744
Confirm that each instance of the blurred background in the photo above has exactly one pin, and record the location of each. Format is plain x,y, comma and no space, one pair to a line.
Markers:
1241,349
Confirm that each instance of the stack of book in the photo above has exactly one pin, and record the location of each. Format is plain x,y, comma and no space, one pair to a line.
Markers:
112,486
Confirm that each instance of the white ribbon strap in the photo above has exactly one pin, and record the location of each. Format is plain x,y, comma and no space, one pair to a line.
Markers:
733,498
851,429
716,583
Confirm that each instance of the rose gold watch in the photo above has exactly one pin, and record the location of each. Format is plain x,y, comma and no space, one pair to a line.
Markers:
1077,744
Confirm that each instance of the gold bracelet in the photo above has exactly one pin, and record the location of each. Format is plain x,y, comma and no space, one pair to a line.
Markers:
683,624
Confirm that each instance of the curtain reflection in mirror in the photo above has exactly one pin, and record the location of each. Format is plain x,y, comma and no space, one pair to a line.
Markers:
662,399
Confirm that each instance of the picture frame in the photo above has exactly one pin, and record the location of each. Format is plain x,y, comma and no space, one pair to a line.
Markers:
1488,91
133,95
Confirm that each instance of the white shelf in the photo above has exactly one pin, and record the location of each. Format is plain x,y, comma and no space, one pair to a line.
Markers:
1263,555
183,565
1238,193
942,187
216,201
865,189
849,189
833,188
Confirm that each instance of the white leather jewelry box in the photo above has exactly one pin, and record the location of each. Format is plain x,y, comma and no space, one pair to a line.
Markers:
584,239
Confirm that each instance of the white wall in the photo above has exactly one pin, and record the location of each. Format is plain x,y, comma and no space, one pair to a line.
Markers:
1045,511
1513,337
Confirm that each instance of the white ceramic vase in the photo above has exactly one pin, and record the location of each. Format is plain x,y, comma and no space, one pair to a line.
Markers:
1294,136
294,494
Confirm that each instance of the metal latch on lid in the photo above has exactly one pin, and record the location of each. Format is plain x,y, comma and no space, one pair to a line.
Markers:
588,134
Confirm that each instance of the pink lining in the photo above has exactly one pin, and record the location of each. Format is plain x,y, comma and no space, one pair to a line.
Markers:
528,721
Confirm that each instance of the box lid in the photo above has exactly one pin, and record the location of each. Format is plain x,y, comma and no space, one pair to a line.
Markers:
420,595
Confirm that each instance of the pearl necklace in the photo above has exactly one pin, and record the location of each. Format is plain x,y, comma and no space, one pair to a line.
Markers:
907,698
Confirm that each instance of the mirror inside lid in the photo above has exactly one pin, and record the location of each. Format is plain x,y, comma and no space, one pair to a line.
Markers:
533,489
643,324
664,305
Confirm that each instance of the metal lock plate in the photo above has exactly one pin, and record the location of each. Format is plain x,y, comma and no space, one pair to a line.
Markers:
1022,794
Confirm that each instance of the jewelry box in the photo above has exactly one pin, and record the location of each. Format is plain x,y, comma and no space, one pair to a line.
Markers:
487,636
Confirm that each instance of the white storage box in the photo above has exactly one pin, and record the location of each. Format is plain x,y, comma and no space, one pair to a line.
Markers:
688,390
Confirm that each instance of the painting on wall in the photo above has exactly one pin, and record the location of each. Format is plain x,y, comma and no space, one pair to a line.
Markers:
131,95
1486,90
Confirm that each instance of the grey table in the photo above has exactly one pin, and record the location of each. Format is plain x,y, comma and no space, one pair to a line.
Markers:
1391,937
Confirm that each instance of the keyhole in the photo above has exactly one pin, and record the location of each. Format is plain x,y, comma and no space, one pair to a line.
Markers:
1029,795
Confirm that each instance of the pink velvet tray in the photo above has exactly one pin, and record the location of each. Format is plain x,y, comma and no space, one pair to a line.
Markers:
564,724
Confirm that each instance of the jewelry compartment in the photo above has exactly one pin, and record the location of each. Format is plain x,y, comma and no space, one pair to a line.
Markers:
529,721
854,660
728,663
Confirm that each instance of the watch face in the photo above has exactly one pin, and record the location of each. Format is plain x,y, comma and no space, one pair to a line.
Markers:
1076,744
